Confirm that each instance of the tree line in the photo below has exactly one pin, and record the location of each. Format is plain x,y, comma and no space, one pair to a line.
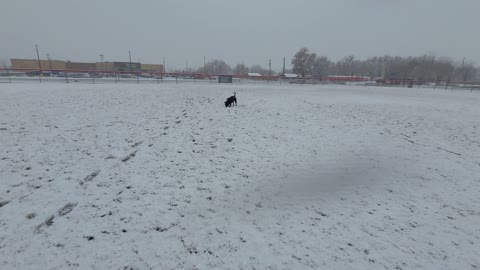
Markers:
308,64
217,66
422,68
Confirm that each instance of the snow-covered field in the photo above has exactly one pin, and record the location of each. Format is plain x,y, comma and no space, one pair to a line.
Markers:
294,177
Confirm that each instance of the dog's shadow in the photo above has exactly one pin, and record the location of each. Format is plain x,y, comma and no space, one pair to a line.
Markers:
237,106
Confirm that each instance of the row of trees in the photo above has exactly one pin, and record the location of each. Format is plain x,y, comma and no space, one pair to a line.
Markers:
426,67
220,67
217,66
309,64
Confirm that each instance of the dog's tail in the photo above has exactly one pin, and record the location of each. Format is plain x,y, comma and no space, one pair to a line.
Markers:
234,93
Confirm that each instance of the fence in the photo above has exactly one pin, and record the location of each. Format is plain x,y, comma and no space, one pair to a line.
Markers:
136,77
99,76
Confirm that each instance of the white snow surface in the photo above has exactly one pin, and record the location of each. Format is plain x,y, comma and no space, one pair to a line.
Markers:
294,177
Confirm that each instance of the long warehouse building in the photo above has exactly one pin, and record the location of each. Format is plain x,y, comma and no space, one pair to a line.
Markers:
32,64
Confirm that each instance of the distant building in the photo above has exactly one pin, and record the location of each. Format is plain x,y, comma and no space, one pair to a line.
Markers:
225,79
125,66
32,64
252,74
104,66
80,66
290,76
151,68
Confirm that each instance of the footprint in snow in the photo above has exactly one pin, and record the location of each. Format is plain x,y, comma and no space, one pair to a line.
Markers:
47,223
66,209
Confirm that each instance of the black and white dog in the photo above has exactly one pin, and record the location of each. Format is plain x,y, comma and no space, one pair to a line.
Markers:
231,100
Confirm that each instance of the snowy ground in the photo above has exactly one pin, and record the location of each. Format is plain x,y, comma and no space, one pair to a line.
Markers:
294,177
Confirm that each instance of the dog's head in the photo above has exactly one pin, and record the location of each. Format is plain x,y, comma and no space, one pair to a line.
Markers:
226,103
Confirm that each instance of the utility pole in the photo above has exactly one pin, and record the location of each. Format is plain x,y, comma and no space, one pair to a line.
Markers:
130,61
283,72
8,74
383,70
204,63
101,61
270,67
49,61
39,65
164,66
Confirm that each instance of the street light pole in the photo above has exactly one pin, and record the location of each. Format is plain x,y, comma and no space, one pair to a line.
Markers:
101,61
270,67
49,62
130,61
39,65
164,68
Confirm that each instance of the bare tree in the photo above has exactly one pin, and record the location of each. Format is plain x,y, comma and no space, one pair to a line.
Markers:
218,67
467,71
443,69
424,69
3,63
240,69
345,65
300,61
322,67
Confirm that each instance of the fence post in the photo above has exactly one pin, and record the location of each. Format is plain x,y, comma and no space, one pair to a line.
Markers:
66,76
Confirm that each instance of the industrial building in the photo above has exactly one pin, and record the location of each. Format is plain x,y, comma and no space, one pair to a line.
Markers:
33,64
152,68
80,66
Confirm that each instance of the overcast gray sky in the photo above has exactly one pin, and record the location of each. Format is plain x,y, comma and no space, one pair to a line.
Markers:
252,31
